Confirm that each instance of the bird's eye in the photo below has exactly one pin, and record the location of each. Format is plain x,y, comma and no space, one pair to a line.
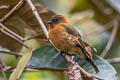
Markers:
56,20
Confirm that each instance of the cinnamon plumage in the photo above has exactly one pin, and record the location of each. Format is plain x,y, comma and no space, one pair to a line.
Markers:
67,39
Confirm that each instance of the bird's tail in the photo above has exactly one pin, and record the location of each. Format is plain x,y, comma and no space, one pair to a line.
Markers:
89,59
87,55
92,64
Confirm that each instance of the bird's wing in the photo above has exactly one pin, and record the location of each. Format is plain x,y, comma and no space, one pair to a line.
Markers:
85,48
71,30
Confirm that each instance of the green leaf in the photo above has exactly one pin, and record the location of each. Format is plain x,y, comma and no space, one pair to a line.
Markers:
21,65
49,57
17,26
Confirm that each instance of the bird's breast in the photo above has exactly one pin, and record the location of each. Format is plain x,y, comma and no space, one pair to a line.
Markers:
60,38
64,41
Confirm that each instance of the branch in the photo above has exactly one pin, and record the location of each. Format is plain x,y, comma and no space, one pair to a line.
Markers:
38,17
11,53
109,44
7,31
75,72
28,68
114,60
36,36
12,11
11,34
4,7
2,68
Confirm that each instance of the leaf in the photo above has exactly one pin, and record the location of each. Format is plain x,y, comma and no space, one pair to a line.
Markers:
9,3
26,15
16,26
48,57
21,65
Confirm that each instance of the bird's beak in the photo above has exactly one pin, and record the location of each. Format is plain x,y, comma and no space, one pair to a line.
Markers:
49,22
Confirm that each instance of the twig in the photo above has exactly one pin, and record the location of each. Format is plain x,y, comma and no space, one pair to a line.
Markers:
28,68
7,16
11,34
6,33
2,67
75,67
4,7
114,60
109,44
73,73
38,17
35,37
11,53
12,11
86,74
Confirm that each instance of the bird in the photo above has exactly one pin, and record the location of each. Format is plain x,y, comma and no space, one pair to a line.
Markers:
67,39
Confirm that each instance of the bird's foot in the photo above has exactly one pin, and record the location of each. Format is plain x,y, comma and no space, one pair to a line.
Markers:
67,57
72,57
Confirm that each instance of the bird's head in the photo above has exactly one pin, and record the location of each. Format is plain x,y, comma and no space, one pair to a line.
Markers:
57,19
